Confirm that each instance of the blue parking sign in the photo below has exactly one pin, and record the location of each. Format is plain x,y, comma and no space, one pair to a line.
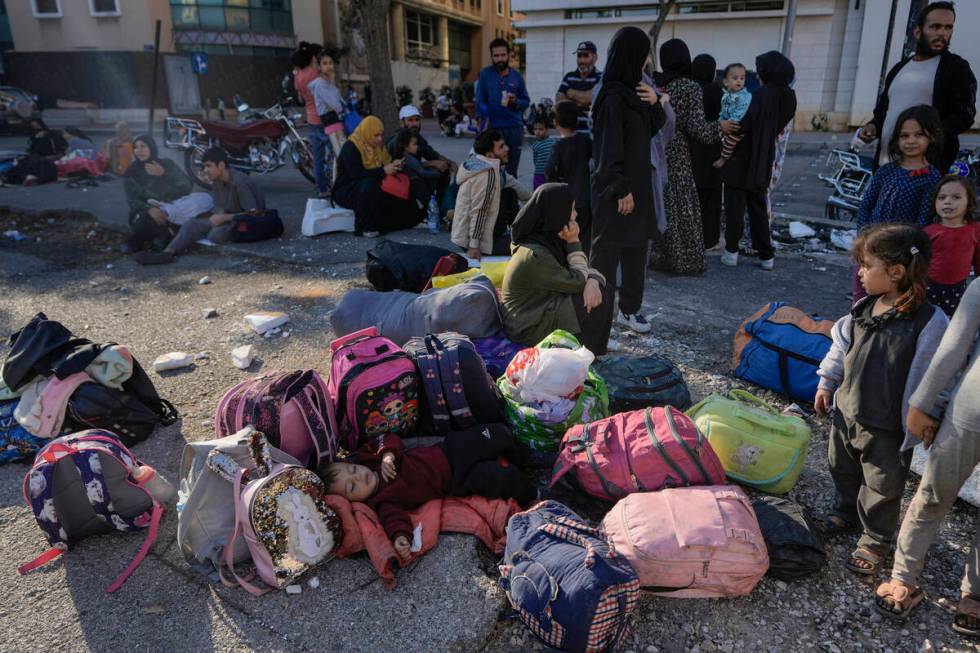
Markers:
199,63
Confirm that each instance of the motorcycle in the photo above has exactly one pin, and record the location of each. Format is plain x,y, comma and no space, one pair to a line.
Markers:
262,143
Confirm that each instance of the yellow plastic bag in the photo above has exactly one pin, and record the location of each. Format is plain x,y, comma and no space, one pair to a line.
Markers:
495,272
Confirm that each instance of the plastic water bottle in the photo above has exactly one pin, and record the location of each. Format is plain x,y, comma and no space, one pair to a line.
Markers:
433,221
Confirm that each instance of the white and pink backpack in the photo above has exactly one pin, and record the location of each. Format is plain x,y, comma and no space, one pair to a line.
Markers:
690,542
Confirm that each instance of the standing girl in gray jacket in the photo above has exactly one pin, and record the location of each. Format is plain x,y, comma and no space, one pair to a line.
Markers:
879,354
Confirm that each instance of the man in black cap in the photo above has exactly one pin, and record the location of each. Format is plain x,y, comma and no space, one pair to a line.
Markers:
578,84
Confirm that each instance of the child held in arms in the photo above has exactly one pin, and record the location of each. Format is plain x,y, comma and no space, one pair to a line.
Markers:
392,480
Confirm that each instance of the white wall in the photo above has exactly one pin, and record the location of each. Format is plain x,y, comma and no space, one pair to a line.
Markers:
418,77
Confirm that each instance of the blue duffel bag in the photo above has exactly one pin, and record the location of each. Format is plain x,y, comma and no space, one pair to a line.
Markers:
780,348
566,583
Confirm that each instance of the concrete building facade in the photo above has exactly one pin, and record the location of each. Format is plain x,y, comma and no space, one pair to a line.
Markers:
838,46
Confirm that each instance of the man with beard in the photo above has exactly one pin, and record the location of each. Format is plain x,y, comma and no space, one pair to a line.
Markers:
933,76
501,99
579,84
411,118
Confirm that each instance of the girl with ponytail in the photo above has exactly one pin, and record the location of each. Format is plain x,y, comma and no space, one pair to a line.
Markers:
880,352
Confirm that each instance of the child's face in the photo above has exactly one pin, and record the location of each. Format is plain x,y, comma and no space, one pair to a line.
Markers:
326,67
412,147
353,482
951,202
877,277
735,79
912,139
540,132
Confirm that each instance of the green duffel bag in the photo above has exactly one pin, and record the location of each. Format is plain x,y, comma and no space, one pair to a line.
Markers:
757,445
529,423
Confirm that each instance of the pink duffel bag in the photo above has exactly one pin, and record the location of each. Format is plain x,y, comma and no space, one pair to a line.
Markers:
692,542
638,451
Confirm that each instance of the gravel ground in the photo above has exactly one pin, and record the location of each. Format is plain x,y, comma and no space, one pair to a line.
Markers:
450,600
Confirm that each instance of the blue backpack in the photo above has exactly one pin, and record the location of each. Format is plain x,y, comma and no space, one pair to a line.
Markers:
570,588
780,348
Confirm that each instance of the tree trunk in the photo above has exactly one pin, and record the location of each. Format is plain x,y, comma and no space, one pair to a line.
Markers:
663,10
374,25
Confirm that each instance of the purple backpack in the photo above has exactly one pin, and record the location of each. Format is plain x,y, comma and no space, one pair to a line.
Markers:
374,386
497,351
89,484
292,409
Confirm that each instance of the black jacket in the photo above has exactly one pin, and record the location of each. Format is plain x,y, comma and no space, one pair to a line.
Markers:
350,173
954,96
621,156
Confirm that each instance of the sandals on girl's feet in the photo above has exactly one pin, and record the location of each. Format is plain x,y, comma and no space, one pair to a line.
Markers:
831,526
967,615
897,601
867,561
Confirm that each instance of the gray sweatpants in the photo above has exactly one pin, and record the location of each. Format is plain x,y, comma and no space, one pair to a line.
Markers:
869,471
949,465
194,230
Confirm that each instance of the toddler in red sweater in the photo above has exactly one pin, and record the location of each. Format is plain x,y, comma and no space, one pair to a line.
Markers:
955,237
392,480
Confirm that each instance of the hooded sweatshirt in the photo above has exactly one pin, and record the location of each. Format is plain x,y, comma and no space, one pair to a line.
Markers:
480,181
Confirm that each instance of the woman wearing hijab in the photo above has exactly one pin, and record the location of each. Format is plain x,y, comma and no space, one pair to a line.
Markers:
362,165
681,251
150,178
707,178
44,147
626,114
749,172
548,284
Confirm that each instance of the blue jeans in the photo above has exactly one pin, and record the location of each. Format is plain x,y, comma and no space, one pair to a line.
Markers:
514,137
320,142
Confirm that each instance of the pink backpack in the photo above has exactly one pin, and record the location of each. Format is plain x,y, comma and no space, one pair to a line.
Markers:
290,408
374,386
691,542
638,451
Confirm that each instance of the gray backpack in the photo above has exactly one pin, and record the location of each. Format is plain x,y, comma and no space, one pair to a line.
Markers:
206,500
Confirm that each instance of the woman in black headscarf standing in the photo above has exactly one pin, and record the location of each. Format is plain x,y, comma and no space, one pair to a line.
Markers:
548,284
748,173
682,249
625,115
707,178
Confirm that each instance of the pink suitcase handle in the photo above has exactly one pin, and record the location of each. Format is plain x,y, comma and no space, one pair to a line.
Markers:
343,340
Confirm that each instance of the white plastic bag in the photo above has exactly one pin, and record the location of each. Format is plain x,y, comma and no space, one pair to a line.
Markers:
553,375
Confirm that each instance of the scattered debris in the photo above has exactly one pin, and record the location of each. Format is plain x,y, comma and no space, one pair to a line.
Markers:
202,355
154,609
843,238
800,230
266,321
172,361
314,582
203,281
242,357
15,236
294,589
210,313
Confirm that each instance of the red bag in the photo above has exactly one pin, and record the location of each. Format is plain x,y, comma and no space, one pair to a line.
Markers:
449,264
397,185
639,451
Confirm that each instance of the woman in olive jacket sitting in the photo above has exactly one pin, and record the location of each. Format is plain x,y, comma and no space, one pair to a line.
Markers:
548,284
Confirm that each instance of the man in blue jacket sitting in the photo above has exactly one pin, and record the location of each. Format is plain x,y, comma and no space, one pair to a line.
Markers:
501,99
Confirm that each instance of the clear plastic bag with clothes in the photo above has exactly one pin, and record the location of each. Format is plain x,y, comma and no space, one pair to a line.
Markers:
550,375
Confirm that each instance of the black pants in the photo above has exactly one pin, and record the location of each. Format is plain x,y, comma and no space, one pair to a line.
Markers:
594,327
473,459
710,199
869,471
607,259
737,202
146,230
509,208
376,210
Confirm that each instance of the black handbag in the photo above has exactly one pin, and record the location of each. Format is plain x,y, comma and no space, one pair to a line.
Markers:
400,266
253,227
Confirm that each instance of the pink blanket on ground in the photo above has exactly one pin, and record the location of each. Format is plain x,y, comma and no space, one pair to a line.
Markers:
484,518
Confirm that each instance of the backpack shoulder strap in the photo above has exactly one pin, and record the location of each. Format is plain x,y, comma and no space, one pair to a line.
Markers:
428,364
229,552
452,384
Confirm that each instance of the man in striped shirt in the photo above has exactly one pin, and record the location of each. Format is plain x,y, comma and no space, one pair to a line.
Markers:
578,84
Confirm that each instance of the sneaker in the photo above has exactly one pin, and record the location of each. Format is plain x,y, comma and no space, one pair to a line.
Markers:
635,322
768,264
614,345
729,258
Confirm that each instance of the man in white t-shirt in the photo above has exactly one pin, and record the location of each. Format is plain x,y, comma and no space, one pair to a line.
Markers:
933,76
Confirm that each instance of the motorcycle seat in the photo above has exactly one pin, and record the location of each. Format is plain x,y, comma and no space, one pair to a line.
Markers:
237,138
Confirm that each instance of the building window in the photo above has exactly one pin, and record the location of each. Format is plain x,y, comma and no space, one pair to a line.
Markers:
421,29
101,8
264,16
698,7
46,8
459,47
500,7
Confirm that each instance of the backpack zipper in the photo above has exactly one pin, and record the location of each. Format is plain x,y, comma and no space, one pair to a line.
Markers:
677,436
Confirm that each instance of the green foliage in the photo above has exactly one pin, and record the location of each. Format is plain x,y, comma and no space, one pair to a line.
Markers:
404,95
